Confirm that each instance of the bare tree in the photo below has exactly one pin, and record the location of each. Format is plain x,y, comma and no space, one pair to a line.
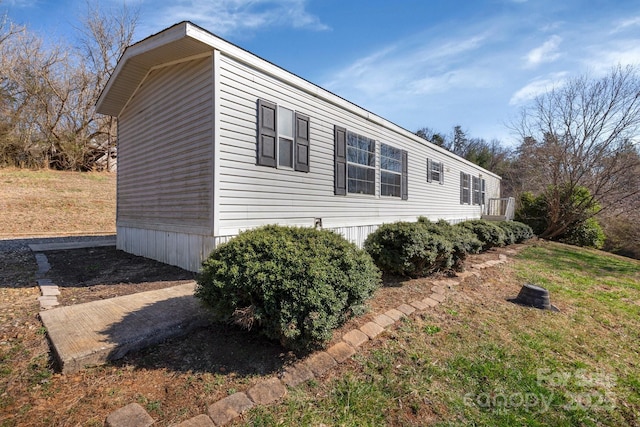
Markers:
582,134
48,92
104,35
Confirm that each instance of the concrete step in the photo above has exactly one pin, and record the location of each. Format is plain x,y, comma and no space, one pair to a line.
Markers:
93,333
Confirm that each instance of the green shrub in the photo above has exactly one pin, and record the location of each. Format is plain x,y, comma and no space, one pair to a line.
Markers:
588,234
532,211
488,233
464,242
295,284
409,249
521,232
509,235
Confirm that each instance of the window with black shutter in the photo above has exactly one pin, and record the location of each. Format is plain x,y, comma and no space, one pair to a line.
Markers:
356,166
267,135
283,137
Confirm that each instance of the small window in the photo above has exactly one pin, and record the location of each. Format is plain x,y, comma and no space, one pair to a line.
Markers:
435,171
390,171
361,164
483,191
283,137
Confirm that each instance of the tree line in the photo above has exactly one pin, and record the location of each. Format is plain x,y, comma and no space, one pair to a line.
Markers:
577,164
48,92
577,159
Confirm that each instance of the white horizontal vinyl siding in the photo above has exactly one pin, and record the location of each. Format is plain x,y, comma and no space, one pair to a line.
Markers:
251,195
165,148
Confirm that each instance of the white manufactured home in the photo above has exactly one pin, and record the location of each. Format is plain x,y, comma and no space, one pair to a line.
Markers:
213,140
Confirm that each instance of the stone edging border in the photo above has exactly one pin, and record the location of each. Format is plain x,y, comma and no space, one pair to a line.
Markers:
272,389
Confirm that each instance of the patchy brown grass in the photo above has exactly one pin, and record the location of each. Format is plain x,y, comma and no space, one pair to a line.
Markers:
47,202
173,381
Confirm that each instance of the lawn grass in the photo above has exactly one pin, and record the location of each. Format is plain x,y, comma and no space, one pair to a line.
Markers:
48,202
478,360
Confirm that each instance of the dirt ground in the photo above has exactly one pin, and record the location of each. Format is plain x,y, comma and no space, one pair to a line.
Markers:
106,273
173,381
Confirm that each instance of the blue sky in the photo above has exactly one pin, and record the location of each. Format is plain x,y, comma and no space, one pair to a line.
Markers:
433,63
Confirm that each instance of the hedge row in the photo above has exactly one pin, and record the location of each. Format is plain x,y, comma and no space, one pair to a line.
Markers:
417,249
297,284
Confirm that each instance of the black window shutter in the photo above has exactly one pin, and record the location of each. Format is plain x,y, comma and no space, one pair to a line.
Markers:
441,173
428,170
267,137
302,143
405,179
340,156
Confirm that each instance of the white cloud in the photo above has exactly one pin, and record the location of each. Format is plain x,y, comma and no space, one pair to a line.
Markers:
537,87
458,78
547,52
409,67
225,17
600,56
19,3
626,23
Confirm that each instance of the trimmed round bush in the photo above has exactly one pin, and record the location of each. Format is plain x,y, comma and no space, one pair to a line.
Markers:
294,284
519,232
464,242
488,233
408,249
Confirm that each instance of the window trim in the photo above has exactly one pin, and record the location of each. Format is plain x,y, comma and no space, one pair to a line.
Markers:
465,199
374,168
397,173
475,190
340,177
431,167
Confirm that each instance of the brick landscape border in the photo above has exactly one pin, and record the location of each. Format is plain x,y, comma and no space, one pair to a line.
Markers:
273,389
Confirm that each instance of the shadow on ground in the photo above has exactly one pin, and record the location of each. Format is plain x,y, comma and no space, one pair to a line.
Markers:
108,266
198,346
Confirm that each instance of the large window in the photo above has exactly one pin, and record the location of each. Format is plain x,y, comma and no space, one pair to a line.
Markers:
472,189
361,164
356,166
390,171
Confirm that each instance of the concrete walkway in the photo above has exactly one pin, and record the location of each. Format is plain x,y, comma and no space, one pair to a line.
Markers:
57,246
95,332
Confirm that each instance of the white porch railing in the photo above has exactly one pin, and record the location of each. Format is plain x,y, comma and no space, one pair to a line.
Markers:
501,209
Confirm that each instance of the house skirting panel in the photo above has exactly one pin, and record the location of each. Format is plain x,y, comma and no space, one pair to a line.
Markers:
187,250
180,249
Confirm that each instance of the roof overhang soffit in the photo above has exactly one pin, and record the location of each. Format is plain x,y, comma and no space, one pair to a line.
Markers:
173,44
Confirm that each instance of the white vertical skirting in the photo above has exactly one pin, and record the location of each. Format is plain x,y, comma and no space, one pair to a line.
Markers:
187,250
